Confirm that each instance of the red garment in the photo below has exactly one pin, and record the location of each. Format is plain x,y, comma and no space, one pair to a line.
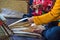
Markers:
44,3
35,2
37,14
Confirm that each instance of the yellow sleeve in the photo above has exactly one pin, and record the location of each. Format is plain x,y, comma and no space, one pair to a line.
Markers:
48,17
58,18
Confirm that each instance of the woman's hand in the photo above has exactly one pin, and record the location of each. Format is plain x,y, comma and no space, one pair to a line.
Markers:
30,20
39,29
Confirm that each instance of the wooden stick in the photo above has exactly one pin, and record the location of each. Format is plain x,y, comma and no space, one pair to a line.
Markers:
17,21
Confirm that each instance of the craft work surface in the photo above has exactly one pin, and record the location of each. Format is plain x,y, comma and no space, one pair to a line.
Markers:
25,29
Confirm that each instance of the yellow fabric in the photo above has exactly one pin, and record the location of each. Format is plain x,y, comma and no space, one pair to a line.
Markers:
57,18
50,16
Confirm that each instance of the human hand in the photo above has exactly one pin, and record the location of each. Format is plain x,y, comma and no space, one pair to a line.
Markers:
39,29
30,19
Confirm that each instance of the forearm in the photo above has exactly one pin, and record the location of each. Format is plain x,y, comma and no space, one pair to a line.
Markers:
48,17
